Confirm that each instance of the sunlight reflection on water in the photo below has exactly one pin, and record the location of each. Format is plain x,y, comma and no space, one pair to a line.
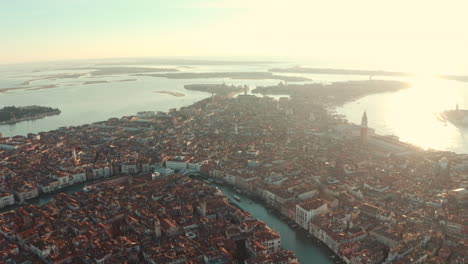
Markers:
412,114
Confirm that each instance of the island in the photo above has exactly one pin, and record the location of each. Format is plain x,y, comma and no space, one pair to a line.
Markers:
458,117
336,93
29,88
230,75
52,77
460,78
13,114
338,71
98,71
106,81
95,82
176,94
220,89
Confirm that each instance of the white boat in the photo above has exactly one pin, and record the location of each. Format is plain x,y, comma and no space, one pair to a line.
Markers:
237,198
87,188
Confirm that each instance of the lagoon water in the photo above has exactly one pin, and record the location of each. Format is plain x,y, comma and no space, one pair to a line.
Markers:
410,114
87,103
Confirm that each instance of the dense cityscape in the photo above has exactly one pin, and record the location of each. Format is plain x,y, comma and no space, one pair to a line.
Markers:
368,198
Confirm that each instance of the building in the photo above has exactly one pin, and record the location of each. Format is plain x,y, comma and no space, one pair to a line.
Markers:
178,162
305,212
26,191
6,199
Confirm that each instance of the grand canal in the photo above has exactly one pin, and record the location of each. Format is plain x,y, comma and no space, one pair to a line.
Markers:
307,250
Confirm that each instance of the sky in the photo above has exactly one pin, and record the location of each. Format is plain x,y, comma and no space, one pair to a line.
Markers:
424,36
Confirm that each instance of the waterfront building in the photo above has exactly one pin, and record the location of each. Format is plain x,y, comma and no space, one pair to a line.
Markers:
306,211
178,162
25,191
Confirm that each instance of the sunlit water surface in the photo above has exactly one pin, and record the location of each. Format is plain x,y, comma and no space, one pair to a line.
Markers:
412,114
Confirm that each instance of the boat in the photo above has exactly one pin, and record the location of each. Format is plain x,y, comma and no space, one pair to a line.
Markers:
219,182
87,188
237,198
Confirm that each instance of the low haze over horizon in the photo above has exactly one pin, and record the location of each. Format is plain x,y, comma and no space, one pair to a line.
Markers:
418,36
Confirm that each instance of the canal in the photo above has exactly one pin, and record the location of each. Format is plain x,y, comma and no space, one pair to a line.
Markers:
45,198
307,250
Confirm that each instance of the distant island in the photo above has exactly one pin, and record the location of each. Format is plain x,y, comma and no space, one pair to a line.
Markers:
231,75
338,71
458,117
106,81
460,78
13,114
220,89
98,71
336,93
176,94
95,82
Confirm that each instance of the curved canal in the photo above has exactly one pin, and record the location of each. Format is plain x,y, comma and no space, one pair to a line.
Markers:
307,250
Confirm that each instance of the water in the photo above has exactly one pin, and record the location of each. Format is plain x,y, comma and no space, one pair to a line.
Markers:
307,251
84,104
412,114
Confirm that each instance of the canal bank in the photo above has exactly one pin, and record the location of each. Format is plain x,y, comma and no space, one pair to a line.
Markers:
307,249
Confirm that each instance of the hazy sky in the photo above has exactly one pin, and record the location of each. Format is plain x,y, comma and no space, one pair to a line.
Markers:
423,35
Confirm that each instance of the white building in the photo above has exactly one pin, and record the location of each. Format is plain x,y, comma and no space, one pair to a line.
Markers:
26,191
305,212
78,177
129,168
6,199
268,238
178,162
164,171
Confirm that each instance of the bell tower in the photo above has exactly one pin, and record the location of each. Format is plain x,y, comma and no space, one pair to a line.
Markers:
364,129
